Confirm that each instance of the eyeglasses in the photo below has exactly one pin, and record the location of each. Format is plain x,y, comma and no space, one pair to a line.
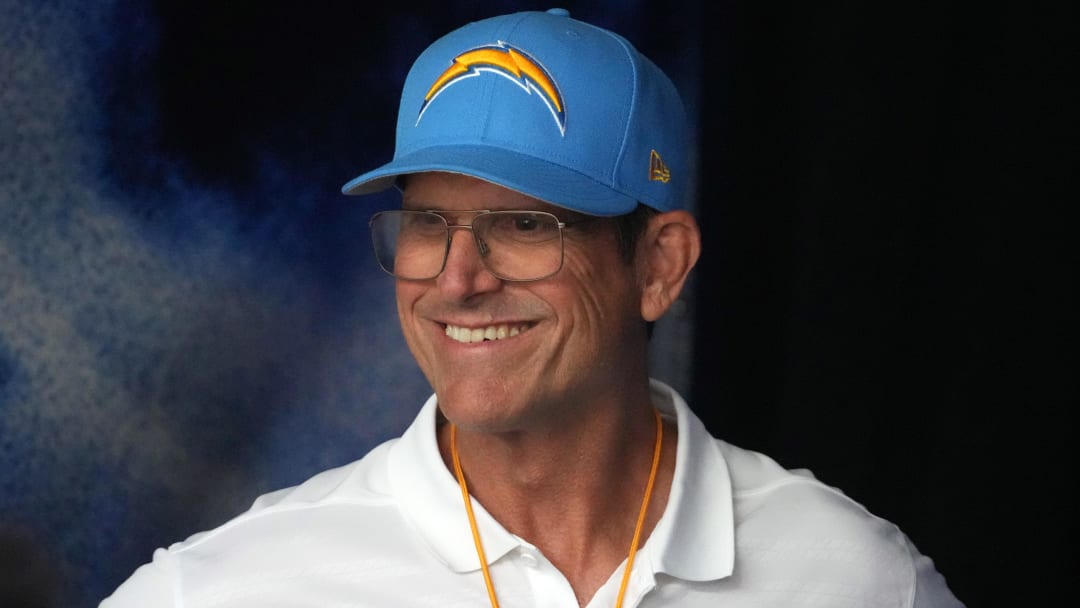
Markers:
513,245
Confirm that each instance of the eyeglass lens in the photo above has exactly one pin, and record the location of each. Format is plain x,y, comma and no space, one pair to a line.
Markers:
513,245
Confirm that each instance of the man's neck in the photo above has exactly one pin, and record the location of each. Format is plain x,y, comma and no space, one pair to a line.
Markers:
572,489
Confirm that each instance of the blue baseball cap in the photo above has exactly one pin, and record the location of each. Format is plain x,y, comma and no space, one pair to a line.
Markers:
555,108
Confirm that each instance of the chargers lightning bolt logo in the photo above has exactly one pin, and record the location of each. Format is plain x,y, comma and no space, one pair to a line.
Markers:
511,63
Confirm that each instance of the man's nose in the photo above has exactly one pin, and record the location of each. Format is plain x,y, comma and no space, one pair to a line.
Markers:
465,274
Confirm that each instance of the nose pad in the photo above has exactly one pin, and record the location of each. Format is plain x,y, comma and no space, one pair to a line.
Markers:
460,258
465,273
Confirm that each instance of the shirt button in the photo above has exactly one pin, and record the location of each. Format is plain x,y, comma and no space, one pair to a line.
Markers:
529,559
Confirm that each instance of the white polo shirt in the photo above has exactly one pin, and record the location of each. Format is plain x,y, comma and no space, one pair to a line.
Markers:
390,531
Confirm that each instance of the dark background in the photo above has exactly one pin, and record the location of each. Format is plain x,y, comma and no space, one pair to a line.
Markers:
891,267
189,316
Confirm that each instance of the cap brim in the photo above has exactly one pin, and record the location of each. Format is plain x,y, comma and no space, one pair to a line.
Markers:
537,178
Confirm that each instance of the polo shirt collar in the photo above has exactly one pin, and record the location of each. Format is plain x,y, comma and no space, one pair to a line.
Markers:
429,495
694,539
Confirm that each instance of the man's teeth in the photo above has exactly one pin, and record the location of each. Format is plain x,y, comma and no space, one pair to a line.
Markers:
479,334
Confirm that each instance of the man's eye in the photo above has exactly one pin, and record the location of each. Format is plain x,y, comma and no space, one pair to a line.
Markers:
523,227
526,224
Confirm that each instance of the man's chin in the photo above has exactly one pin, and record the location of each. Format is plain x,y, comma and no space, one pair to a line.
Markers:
478,404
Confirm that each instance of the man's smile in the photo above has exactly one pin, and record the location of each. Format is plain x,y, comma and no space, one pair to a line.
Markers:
468,335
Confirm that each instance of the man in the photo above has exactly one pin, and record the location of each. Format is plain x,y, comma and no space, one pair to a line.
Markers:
543,170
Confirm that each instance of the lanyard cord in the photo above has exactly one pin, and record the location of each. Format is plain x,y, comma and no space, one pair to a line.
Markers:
472,518
637,529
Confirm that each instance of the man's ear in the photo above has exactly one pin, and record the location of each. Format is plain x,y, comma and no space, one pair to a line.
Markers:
669,249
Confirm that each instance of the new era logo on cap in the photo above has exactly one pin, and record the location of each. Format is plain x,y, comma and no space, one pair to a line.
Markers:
658,171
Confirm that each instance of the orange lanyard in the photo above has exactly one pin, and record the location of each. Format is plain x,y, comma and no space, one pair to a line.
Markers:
637,529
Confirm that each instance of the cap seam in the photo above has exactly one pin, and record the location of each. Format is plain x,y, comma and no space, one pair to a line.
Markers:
631,114
489,87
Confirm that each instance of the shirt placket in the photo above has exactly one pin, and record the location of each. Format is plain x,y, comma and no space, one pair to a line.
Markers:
548,587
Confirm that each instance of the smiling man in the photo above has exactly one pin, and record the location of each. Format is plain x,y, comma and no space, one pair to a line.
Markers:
543,169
